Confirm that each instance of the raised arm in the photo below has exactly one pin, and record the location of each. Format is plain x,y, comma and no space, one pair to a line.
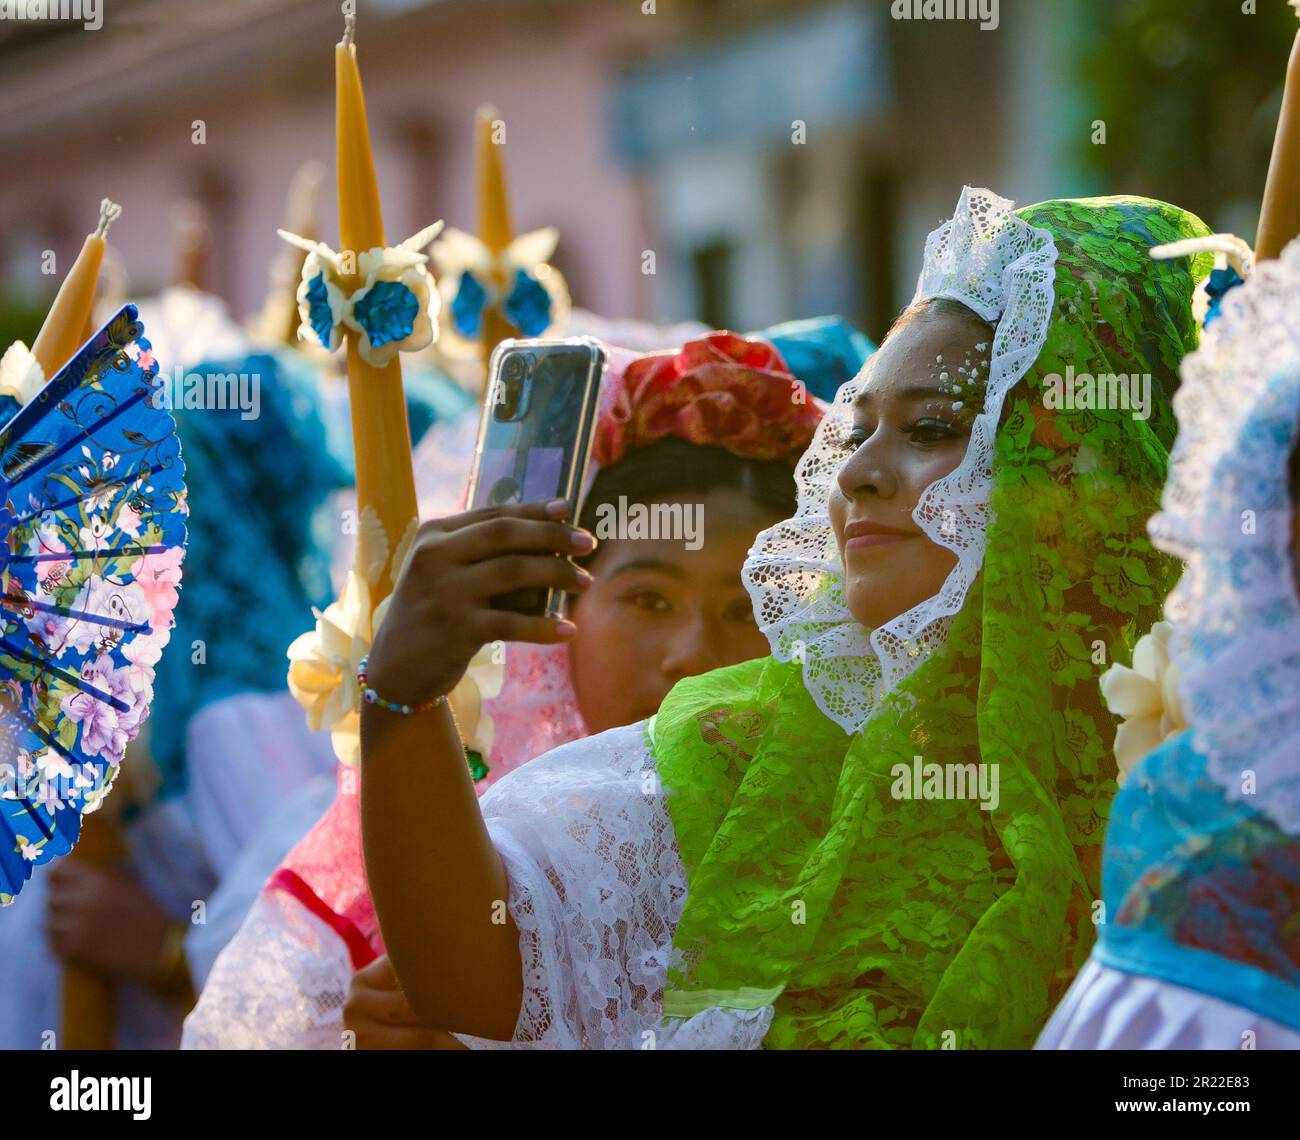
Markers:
438,884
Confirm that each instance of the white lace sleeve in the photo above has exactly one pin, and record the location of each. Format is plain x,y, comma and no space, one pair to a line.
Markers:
596,888
279,984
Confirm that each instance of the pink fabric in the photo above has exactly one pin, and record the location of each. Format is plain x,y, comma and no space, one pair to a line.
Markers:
534,712
360,948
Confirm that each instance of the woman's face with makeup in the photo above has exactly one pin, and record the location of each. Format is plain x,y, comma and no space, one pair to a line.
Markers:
909,429
658,612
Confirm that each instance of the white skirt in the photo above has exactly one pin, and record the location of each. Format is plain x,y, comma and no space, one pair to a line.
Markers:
1111,1009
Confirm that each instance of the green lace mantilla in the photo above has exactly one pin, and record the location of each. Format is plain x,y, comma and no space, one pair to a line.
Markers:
871,921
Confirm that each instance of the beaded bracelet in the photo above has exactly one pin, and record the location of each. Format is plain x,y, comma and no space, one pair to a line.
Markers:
372,698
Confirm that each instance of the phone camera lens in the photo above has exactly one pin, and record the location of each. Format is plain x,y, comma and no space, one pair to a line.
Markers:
510,389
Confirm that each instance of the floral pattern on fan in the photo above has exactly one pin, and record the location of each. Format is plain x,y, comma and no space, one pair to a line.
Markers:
92,534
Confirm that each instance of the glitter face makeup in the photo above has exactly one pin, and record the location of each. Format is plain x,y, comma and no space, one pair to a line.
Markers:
965,382
911,427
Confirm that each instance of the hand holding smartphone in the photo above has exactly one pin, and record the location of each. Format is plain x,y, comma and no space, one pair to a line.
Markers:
535,437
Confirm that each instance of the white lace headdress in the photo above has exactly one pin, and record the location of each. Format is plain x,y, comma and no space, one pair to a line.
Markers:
1003,269
1227,512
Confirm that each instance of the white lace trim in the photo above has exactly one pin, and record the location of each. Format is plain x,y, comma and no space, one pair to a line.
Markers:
1238,643
1003,269
279,984
596,889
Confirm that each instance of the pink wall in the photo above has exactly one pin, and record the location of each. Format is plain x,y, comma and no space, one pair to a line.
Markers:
269,108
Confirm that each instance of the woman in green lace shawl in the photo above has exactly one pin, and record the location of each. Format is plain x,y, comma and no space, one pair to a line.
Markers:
956,921
886,835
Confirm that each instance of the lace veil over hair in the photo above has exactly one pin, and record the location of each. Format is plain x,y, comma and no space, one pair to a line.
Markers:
1002,269
934,914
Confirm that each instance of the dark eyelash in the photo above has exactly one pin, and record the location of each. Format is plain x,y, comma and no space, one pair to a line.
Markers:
946,428
932,424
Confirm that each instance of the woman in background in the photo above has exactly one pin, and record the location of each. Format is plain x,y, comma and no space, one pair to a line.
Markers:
712,429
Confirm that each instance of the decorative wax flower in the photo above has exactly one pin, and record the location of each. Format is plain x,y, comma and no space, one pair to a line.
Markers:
1221,282
323,674
21,375
1146,697
482,681
322,302
397,308
532,295
323,667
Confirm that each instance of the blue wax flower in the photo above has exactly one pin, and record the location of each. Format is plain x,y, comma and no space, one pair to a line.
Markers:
467,308
387,312
1221,283
318,307
528,307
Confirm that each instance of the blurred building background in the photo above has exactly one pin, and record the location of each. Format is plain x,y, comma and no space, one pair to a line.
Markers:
779,159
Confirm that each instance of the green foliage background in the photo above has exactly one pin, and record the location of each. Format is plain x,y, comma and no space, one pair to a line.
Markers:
20,319
1190,92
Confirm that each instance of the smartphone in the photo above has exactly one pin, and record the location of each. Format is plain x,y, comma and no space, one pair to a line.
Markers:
534,440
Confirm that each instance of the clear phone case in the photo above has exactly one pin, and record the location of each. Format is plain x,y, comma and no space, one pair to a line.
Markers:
535,436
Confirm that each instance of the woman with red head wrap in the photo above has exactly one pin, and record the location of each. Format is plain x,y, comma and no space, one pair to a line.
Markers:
703,436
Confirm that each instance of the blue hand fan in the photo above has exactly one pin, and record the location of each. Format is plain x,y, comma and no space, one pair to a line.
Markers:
92,534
